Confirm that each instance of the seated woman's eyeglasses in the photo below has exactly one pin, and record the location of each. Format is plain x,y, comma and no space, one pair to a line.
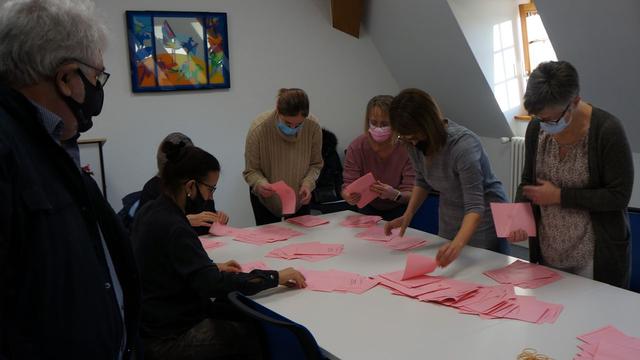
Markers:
211,188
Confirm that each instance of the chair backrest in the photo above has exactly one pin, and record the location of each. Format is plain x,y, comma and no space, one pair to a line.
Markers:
634,222
426,218
129,206
284,338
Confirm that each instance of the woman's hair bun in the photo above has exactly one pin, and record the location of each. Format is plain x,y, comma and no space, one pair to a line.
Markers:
172,151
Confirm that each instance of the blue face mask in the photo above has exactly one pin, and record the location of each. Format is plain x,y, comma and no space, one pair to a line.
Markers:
556,128
287,130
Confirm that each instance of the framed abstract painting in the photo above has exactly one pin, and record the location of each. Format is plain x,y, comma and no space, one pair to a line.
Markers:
171,50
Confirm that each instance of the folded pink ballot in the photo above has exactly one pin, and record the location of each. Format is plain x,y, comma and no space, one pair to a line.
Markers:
418,265
362,186
511,217
287,197
308,220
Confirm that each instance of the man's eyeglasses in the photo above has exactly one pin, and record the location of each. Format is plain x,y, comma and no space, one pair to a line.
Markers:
102,76
536,117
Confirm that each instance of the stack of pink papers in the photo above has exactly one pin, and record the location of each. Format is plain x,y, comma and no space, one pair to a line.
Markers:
511,217
362,186
287,197
376,233
405,243
209,243
489,302
338,281
360,221
608,343
311,251
265,234
524,275
308,220
393,241
254,265
218,229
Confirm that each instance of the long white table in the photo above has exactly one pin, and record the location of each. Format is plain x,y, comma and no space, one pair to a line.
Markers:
378,325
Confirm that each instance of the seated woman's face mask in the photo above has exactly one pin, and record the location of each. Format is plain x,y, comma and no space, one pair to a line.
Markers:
197,205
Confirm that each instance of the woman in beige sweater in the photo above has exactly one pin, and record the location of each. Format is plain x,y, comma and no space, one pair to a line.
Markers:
283,144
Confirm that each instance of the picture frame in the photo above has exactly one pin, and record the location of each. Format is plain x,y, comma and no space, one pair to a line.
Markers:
176,50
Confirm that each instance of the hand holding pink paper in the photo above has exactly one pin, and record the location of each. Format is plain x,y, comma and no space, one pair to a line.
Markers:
511,217
362,186
287,197
418,265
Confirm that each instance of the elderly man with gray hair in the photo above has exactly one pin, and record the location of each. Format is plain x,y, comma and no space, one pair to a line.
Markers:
69,285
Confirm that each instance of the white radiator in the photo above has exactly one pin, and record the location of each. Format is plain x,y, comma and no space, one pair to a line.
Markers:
517,164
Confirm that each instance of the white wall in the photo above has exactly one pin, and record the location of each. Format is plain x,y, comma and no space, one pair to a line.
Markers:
477,20
500,158
601,39
273,44
423,46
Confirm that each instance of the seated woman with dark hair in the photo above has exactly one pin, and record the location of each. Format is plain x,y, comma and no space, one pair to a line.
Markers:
179,320
200,211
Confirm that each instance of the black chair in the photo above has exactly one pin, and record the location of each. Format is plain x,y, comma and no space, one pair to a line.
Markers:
326,196
284,339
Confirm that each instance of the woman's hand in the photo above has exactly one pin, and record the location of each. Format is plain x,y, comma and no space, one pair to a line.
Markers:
264,190
384,191
351,198
292,278
229,266
546,193
449,252
205,218
222,218
305,195
402,222
518,235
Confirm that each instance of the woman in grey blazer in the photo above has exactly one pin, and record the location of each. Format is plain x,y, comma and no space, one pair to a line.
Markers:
448,158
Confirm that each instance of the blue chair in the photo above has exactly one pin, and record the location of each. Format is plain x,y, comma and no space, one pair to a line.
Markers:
284,338
426,218
634,221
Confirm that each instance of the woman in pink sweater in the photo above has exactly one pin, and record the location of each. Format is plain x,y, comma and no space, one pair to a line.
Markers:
378,152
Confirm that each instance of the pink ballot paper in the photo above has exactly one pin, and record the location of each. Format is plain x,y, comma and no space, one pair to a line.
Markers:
362,186
308,220
218,229
209,243
418,265
510,217
287,197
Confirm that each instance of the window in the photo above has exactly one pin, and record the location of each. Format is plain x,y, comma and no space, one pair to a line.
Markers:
536,45
506,86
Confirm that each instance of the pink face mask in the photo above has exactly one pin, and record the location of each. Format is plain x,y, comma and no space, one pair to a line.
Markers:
380,134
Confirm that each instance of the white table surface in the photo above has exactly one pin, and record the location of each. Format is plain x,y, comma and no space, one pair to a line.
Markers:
378,325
